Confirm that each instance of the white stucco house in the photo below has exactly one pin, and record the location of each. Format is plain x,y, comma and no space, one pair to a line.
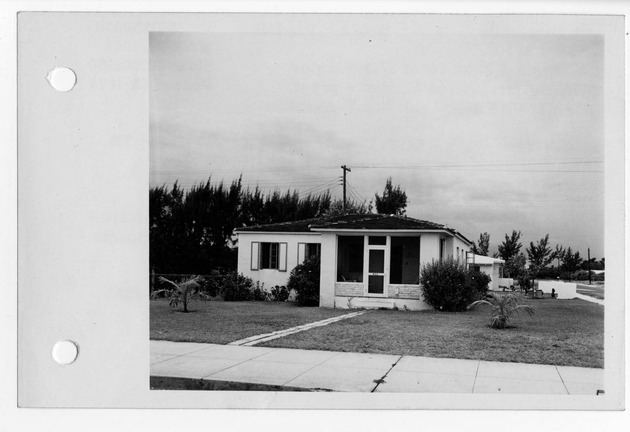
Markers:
491,267
367,260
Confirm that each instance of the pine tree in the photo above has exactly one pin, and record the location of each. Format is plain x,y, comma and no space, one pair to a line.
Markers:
393,201
510,251
540,254
483,244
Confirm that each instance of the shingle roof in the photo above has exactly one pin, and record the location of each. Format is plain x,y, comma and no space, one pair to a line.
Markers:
352,221
293,226
377,221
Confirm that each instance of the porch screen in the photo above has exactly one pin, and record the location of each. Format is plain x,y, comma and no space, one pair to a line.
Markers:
405,260
350,259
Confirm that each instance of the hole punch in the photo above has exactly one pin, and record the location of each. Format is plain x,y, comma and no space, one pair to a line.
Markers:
62,79
65,352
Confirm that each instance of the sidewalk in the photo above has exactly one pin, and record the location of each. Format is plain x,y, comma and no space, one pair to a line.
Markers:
359,372
589,299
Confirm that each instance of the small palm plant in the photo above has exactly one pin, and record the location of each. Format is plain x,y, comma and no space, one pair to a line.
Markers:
182,292
503,306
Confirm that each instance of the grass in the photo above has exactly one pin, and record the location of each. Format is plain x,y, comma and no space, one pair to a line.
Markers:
224,322
563,332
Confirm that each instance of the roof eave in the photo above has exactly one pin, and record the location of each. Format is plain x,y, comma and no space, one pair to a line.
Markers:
392,230
277,232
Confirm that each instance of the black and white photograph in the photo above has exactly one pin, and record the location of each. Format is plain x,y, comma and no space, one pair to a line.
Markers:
398,216
377,210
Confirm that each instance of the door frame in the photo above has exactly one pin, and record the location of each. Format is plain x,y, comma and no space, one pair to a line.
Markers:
366,264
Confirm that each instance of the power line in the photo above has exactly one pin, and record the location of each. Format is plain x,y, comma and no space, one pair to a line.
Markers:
356,197
286,183
329,185
267,183
500,164
320,191
493,167
516,205
212,171
513,170
272,180
356,193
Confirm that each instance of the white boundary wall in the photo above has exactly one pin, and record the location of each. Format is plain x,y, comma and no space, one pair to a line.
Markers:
565,290
506,282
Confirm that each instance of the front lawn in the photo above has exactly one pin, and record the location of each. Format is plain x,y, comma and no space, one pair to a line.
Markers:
224,322
563,332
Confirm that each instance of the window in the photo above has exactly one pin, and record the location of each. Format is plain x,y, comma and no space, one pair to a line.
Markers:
405,260
458,253
312,249
269,255
350,259
442,248
377,240
307,250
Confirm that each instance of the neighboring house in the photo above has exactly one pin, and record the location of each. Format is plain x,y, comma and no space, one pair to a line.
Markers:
491,267
367,260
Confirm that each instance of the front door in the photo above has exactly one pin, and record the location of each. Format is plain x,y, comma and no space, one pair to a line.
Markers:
376,265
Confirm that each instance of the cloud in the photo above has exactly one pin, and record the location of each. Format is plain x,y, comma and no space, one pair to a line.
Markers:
287,110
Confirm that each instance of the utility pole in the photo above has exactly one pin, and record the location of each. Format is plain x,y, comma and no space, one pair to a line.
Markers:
344,168
589,265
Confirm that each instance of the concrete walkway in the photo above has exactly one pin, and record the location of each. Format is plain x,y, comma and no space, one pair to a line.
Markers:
589,299
358,372
254,340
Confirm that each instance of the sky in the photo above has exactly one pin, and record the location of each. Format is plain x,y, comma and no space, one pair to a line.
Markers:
484,132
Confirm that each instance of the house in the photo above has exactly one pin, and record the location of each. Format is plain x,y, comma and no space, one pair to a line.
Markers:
492,267
367,260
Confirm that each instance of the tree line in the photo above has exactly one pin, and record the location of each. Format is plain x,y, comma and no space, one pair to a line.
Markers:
544,261
191,231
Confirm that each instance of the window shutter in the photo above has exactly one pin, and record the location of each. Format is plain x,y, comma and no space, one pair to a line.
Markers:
255,255
301,253
282,257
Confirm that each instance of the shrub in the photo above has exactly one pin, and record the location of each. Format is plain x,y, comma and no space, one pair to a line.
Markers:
279,293
214,282
304,280
448,286
502,308
259,293
480,281
183,292
547,273
236,287
524,282
581,275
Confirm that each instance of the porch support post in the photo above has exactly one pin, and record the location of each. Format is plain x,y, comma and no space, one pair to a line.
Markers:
328,271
